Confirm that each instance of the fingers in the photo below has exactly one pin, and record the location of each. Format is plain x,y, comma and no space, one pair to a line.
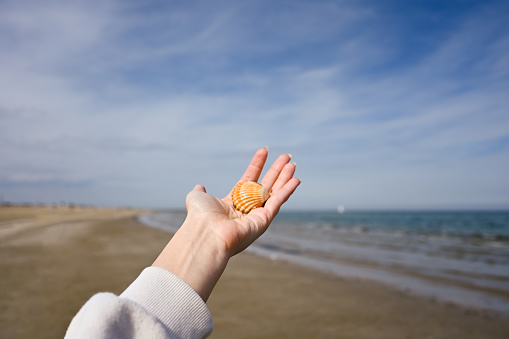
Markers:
275,170
255,168
282,189
276,178
285,175
280,196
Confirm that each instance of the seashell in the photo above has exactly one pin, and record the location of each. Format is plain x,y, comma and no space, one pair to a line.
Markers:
249,195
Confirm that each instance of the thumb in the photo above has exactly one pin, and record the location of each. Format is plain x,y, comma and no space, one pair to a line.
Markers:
199,188
194,197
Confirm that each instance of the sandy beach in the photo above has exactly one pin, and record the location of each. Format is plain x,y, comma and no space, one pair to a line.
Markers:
53,259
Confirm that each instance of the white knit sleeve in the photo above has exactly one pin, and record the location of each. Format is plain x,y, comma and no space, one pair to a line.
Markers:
172,301
157,304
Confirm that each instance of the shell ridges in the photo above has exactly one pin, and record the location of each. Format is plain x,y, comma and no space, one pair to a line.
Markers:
249,195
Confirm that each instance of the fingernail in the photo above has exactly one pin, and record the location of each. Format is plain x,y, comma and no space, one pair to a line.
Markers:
290,156
266,147
294,164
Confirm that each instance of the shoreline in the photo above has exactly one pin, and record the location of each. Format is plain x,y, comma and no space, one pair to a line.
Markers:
442,289
447,290
50,271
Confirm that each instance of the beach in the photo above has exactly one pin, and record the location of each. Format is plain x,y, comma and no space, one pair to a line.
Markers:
53,259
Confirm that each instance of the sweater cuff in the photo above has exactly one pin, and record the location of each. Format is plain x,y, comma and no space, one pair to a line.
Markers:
167,297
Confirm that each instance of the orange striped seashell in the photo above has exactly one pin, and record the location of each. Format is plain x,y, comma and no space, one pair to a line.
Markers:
249,195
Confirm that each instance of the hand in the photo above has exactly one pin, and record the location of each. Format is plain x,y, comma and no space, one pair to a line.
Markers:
237,230
214,230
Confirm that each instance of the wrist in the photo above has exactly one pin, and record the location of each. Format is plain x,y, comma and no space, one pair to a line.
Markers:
195,255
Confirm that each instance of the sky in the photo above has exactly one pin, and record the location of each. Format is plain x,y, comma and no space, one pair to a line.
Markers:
383,104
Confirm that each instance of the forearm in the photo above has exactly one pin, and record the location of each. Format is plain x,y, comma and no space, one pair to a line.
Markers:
195,255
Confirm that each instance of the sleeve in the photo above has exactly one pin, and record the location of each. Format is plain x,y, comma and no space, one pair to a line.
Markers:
158,304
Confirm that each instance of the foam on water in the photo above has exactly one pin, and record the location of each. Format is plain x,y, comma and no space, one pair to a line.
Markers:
462,257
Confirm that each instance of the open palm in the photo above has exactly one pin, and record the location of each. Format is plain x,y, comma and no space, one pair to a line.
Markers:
235,229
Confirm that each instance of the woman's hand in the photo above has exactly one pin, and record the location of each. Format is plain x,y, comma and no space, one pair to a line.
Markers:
214,230
237,230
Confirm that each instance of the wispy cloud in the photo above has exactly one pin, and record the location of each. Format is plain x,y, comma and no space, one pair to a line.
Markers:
139,101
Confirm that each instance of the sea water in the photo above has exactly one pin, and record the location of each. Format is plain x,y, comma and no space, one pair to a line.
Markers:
456,256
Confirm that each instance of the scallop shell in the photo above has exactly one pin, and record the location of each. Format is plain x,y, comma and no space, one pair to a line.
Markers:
249,195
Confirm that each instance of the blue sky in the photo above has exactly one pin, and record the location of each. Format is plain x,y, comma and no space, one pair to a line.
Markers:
383,104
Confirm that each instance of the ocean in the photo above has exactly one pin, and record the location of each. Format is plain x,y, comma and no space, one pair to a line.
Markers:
453,256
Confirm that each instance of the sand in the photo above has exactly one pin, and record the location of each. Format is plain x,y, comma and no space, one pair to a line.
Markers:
53,260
